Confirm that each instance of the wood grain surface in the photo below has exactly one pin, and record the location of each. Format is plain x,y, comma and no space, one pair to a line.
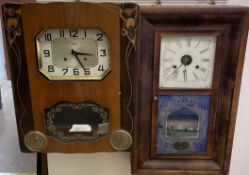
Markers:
231,25
44,93
18,68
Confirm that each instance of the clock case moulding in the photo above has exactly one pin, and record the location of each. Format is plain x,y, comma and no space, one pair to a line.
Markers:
33,93
230,24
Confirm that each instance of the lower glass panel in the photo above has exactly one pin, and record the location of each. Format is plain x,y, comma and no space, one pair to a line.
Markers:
182,123
69,122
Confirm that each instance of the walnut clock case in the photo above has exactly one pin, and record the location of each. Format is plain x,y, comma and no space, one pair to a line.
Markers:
72,75
189,71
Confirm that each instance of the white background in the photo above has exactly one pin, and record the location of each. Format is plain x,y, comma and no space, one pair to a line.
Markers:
2,60
119,163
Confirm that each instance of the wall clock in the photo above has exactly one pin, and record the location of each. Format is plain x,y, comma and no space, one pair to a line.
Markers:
72,75
188,71
63,54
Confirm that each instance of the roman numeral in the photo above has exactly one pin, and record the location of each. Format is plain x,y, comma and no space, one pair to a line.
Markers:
178,43
189,42
205,59
168,59
203,69
166,49
196,77
197,44
203,51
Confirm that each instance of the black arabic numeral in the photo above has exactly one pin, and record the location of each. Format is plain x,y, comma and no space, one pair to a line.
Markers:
100,36
65,71
73,33
46,53
50,68
101,68
62,33
189,42
103,52
85,33
87,71
76,71
48,37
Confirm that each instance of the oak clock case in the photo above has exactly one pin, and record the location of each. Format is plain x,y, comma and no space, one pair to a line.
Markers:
189,70
71,74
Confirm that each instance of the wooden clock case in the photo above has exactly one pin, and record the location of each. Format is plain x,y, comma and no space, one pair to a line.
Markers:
231,27
131,80
33,93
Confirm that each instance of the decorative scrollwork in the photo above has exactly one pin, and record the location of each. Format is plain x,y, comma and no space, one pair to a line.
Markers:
12,23
61,117
129,25
129,18
13,31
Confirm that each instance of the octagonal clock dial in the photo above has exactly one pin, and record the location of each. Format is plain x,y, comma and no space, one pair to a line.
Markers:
187,61
73,54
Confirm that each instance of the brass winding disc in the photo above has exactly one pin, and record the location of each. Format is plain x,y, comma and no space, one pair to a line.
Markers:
120,140
35,141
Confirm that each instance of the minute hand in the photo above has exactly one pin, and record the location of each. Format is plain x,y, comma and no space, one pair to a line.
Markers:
77,58
80,53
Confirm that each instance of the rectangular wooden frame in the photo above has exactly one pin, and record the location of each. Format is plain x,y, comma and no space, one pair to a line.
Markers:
213,91
232,25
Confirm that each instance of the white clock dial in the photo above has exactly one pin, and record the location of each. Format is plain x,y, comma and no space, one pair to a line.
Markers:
73,54
187,61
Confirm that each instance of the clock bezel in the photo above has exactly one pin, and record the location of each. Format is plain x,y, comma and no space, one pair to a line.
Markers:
71,78
160,32
185,34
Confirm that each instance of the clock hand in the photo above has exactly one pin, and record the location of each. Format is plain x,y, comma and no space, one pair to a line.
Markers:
185,73
174,74
77,58
80,53
179,67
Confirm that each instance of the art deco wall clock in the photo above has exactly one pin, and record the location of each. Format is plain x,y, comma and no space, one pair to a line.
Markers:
189,72
72,77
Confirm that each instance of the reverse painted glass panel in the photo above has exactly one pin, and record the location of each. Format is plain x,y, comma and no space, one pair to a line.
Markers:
182,124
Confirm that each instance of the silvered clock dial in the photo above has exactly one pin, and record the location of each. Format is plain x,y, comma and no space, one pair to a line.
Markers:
187,61
73,54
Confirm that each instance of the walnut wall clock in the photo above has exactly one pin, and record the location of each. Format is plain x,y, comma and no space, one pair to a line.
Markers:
72,75
189,71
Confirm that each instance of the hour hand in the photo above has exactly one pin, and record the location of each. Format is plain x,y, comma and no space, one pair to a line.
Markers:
77,58
73,52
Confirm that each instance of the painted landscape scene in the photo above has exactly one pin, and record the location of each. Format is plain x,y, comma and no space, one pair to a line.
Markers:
182,123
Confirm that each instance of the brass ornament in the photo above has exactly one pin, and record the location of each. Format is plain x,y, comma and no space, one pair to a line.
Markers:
35,141
120,140
12,20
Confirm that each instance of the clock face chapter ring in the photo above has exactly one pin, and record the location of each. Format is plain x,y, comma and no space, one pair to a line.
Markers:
73,54
187,61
